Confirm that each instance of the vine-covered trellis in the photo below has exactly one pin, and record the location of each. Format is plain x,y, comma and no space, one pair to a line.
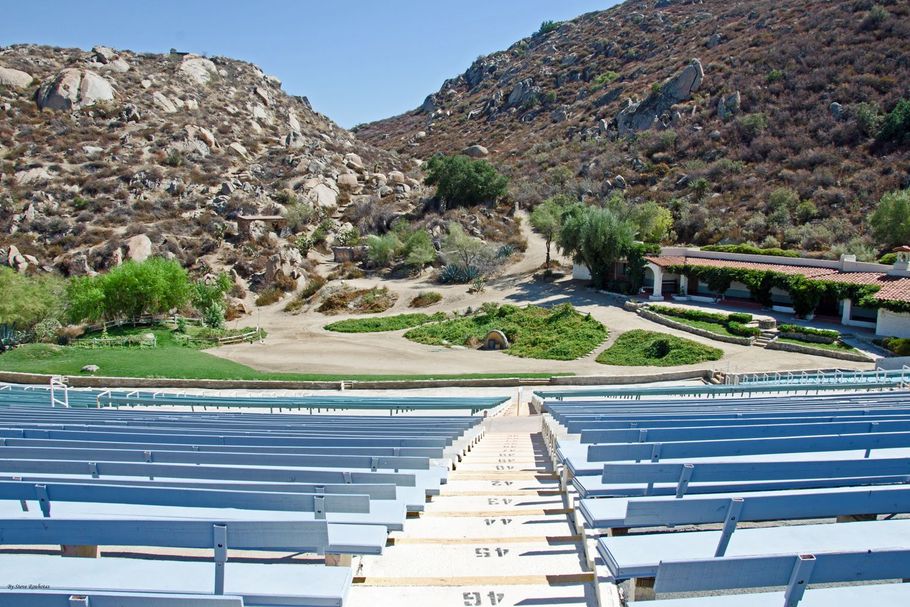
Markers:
805,293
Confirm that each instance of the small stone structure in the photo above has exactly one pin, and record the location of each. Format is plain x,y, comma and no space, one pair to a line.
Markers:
244,223
348,254
496,340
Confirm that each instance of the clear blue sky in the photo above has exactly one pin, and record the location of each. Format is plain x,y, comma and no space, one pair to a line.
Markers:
356,60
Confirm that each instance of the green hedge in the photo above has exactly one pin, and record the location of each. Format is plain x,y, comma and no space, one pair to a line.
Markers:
808,331
691,314
735,323
899,346
737,328
747,249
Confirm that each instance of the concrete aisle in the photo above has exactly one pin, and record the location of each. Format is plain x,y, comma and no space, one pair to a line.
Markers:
498,534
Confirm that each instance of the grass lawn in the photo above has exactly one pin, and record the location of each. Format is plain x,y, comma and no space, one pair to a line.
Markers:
170,360
560,333
714,327
836,346
641,348
383,323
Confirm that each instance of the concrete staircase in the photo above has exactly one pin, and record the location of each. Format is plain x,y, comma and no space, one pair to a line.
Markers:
497,535
764,338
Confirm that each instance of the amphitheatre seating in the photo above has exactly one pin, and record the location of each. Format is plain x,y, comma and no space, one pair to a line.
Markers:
682,494
332,485
255,583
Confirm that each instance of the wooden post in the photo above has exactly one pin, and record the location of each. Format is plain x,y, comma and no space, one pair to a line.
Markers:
338,560
643,589
89,552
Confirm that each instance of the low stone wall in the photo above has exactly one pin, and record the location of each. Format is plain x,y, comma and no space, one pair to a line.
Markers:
77,381
669,322
807,349
808,337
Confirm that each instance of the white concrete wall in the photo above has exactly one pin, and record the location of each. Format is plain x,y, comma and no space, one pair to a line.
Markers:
892,324
580,272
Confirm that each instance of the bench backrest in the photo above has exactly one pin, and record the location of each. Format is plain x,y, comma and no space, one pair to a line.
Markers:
292,536
47,493
740,432
222,459
98,469
752,446
795,572
373,491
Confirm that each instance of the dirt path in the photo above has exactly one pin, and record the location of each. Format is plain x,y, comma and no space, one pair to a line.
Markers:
498,534
300,344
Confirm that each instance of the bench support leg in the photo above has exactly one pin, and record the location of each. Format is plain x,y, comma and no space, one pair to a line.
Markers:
855,518
642,589
338,560
89,552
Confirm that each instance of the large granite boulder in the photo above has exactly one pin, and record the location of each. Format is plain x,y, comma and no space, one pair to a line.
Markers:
73,88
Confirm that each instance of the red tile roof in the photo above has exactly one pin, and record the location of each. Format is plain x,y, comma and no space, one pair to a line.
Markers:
892,288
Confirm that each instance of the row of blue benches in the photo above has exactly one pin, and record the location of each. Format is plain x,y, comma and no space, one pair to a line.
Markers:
328,486
687,496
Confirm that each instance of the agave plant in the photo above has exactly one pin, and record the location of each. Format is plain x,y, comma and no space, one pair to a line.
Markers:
9,338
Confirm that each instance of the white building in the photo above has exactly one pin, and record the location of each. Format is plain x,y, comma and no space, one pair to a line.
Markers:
893,282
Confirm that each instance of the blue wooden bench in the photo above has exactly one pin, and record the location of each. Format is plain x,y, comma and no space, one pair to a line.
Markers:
795,572
639,556
256,582
664,478
118,500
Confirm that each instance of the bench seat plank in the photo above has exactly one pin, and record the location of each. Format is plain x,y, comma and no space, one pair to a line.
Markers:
880,595
639,555
258,584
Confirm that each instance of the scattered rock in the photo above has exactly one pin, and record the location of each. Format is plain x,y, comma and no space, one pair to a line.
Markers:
36,175
348,182
238,149
103,54
837,110
396,177
73,88
162,101
198,69
16,79
130,113
429,104
636,117
620,182
522,93
728,105
90,369
139,248
263,94
559,115
475,151
353,161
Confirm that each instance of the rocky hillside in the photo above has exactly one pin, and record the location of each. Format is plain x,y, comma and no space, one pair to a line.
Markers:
708,107
108,155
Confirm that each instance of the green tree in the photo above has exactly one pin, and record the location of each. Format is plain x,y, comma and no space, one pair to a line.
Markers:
896,126
381,250
891,219
461,249
208,299
27,300
461,181
596,237
155,286
418,249
654,222
546,218
85,299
